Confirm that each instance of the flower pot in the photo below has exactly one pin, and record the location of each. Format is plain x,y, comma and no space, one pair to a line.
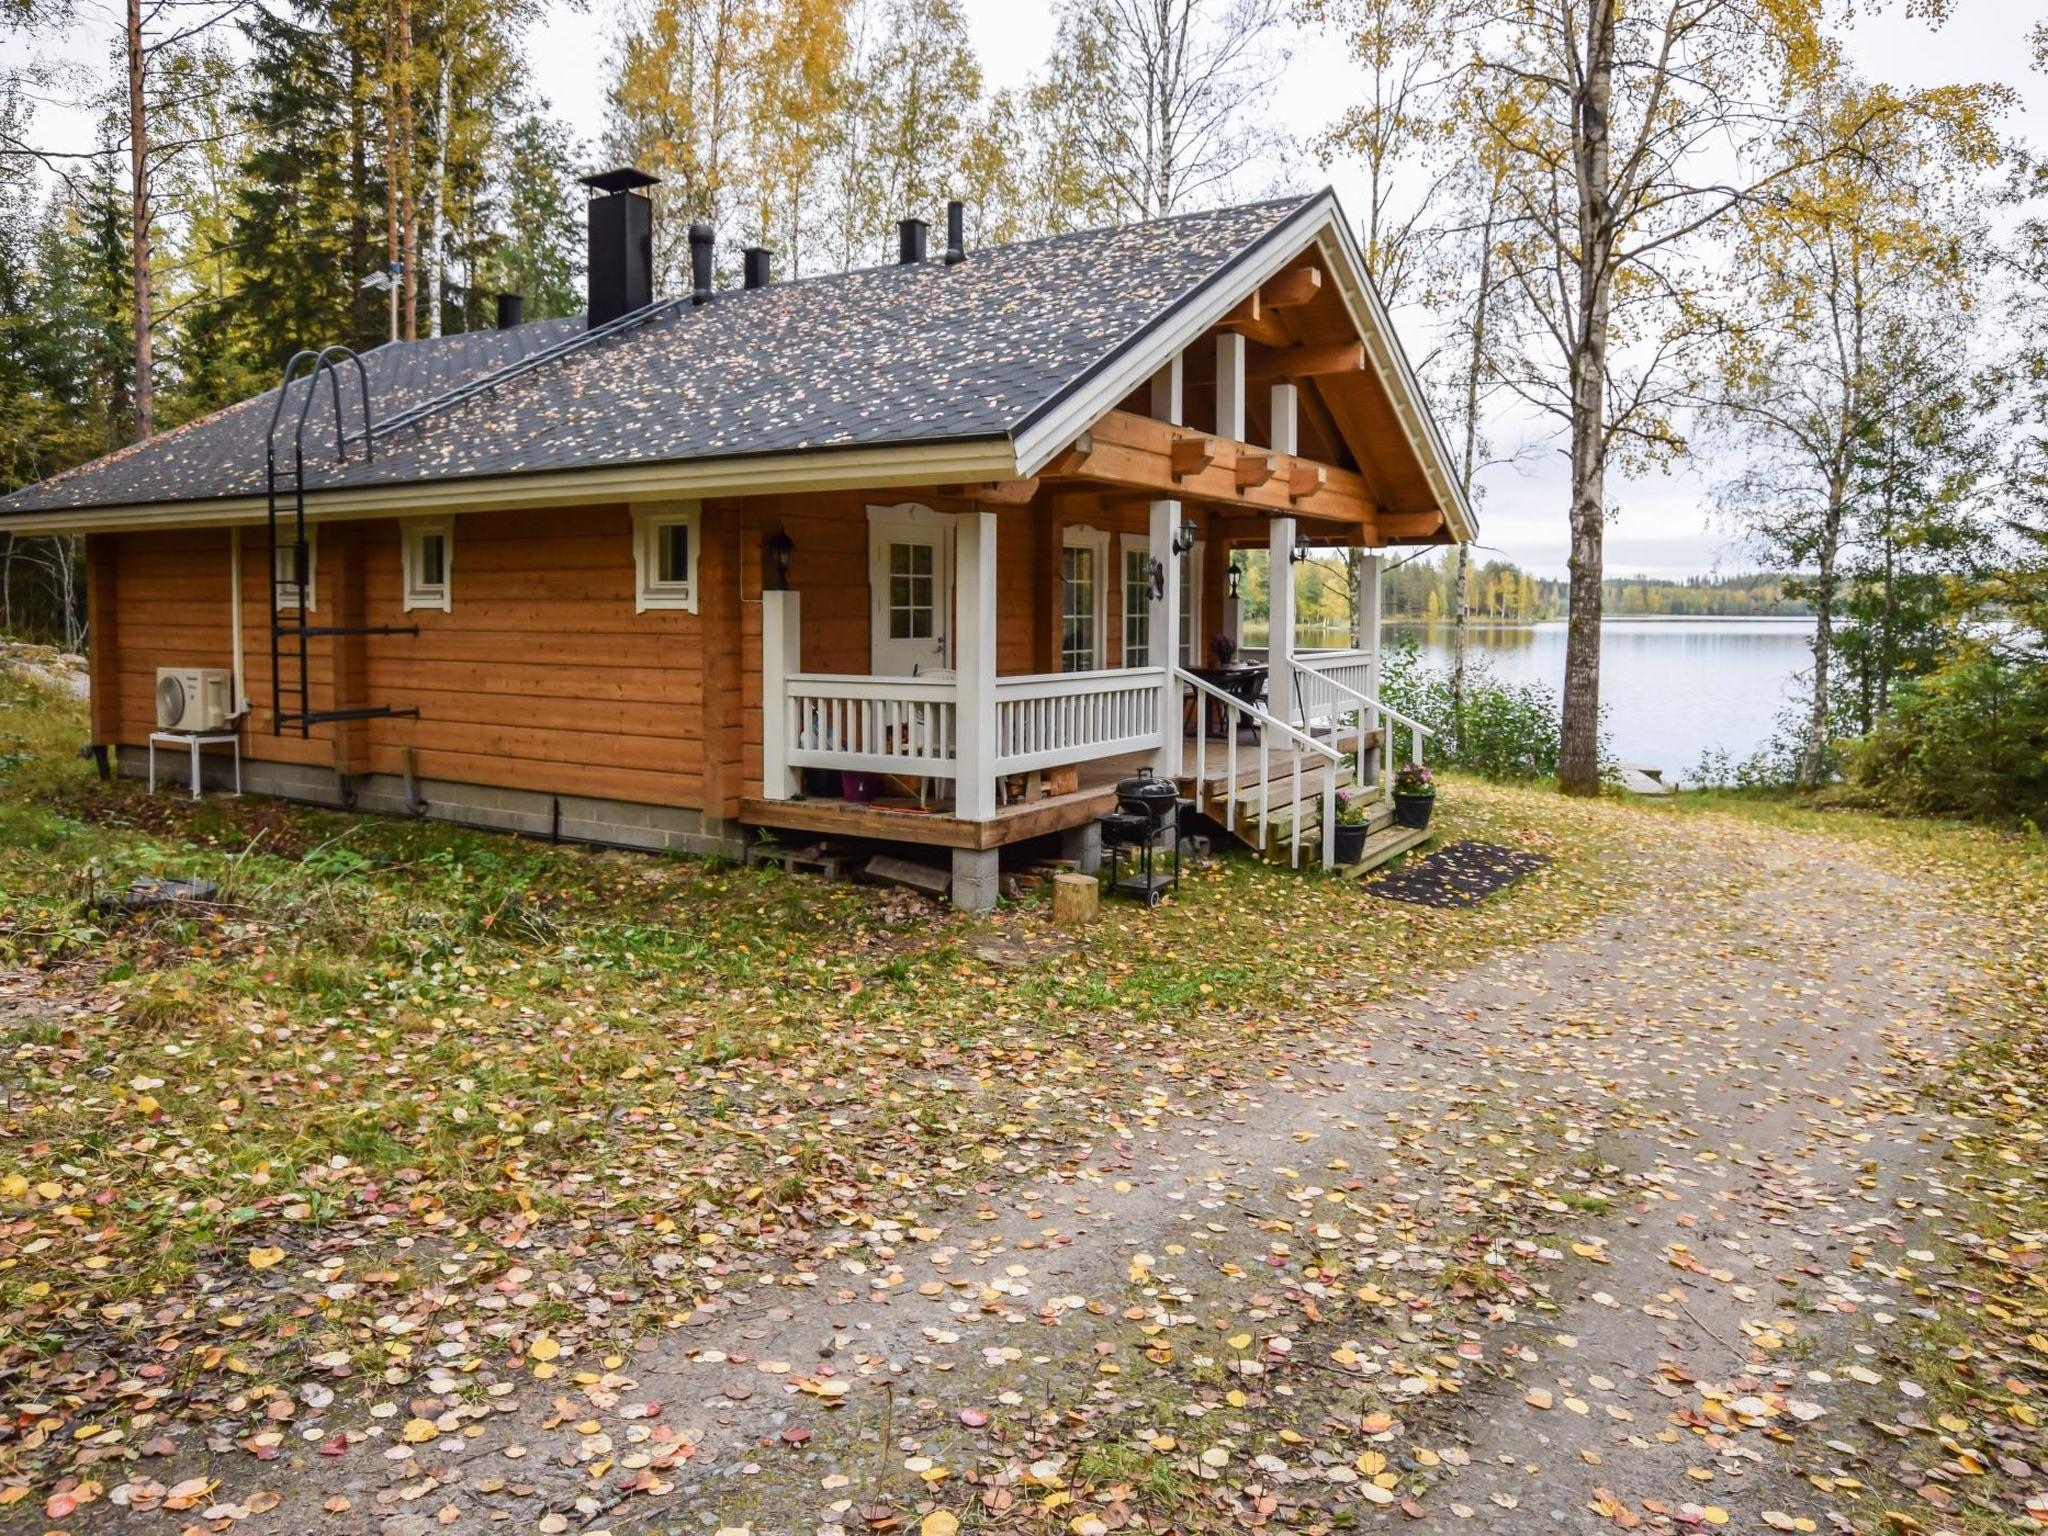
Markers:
1413,810
1351,841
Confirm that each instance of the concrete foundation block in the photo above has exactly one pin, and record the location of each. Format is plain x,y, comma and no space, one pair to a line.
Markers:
1083,844
977,874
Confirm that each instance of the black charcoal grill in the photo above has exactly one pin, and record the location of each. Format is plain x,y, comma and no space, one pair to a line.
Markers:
1146,823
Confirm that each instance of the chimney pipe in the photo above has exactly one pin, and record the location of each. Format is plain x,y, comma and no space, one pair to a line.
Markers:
702,241
511,310
621,243
759,266
956,232
911,235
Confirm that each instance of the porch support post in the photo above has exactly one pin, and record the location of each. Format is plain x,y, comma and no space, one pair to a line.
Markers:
1280,621
1286,413
1168,404
974,662
1369,614
1165,637
1167,392
781,647
1230,386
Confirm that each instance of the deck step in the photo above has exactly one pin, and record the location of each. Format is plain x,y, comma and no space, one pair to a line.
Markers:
1389,842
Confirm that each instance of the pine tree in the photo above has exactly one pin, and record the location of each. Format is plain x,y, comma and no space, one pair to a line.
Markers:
541,254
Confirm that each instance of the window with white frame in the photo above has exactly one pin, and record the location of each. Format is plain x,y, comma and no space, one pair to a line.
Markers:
665,557
286,578
1137,602
1084,559
1192,650
429,543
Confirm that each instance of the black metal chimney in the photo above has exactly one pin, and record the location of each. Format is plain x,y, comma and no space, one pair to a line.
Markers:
758,264
911,235
621,243
511,310
956,232
703,241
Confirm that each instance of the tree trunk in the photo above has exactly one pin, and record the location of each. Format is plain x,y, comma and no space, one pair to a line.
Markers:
1578,765
1813,754
437,280
409,215
391,172
139,221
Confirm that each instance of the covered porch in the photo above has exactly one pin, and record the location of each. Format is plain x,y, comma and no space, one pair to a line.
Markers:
1030,642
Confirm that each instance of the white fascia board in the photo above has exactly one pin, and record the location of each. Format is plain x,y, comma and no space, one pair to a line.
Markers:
819,470
1320,221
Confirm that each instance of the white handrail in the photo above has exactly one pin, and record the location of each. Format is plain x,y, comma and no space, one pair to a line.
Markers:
1268,723
1386,709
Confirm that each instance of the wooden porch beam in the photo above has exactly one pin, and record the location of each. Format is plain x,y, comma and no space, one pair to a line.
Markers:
1307,362
1290,290
1412,526
1136,453
996,493
1304,480
1253,321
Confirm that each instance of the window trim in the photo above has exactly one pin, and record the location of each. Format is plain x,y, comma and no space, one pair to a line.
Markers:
418,593
1082,536
1196,647
283,591
650,592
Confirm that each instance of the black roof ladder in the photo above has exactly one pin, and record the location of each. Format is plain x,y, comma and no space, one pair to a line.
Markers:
291,635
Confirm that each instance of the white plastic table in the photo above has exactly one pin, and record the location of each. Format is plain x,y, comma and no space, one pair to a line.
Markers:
195,742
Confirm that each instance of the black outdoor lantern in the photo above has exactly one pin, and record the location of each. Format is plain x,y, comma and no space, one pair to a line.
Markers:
781,549
1301,550
1184,538
1156,573
1236,577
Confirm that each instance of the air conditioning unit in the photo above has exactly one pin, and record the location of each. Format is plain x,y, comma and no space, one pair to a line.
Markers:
193,699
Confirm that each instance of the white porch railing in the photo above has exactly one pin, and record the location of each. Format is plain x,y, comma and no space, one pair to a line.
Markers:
904,725
1057,718
911,725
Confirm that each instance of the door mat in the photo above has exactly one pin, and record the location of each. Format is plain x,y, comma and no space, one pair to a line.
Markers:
1460,874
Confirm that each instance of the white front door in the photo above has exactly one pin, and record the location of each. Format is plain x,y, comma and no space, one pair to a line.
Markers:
910,591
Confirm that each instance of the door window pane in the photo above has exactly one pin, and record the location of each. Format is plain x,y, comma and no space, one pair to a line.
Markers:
912,615
1078,639
1137,608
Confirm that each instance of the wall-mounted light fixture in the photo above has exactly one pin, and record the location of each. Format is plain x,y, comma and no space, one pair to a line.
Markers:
1236,577
1155,573
1301,551
781,550
1184,538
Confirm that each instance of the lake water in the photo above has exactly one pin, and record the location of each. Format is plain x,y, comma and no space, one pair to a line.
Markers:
1671,688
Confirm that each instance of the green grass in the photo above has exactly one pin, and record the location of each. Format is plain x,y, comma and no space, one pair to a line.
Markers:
405,1042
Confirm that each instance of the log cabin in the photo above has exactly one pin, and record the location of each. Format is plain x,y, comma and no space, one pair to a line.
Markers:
929,553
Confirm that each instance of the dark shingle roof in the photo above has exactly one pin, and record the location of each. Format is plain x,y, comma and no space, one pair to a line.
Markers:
885,356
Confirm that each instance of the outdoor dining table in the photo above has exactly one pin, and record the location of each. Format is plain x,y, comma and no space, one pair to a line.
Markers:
1244,681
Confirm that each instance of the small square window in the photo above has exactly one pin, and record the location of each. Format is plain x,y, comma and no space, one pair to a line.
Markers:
665,557
428,548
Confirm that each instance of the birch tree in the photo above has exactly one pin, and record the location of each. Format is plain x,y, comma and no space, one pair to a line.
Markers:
1834,277
1636,130
1175,94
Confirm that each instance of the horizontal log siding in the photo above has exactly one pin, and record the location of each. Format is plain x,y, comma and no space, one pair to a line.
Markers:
542,677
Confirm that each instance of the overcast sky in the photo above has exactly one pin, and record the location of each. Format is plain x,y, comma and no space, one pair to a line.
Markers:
1662,525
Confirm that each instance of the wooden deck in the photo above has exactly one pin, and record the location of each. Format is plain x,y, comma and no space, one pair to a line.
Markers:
1095,794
